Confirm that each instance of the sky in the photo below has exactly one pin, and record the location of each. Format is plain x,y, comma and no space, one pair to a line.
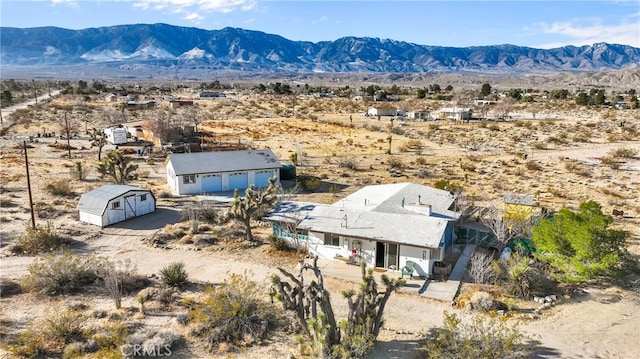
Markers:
538,24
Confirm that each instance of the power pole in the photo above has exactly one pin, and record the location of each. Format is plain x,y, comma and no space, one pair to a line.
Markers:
66,127
26,165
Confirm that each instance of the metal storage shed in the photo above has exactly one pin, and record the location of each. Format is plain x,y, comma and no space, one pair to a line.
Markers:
111,204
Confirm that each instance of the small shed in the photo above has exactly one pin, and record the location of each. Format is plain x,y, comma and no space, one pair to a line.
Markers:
111,204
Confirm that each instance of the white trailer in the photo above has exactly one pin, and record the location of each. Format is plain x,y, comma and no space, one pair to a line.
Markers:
116,135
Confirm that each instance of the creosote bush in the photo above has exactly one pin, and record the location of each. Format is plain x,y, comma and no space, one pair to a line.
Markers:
174,275
60,273
236,312
480,338
39,239
59,187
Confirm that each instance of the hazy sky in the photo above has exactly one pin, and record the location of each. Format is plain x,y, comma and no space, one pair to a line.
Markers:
539,24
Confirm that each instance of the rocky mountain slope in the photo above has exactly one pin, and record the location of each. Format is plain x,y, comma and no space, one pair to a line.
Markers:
145,46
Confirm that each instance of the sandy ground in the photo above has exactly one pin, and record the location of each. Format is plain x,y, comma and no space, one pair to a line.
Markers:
604,323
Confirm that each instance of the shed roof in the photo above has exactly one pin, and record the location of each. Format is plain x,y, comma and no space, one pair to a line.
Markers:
96,200
222,161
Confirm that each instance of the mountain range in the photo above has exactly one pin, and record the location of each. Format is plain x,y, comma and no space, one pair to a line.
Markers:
172,47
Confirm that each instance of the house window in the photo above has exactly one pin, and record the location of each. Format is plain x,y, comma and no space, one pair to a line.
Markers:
143,197
331,239
188,179
115,205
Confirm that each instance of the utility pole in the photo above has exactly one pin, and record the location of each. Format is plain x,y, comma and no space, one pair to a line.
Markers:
66,128
26,165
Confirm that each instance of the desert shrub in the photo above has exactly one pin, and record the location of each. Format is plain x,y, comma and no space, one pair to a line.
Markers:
311,183
578,168
539,145
348,163
395,163
414,144
118,278
422,173
481,268
533,166
9,288
624,152
59,187
524,277
49,335
79,171
277,242
60,273
39,239
421,161
478,338
174,275
235,312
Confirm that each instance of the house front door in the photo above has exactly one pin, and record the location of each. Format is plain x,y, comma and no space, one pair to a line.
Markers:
380,252
392,255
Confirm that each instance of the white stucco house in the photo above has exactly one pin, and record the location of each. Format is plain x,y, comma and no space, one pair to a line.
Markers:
111,204
208,172
382,225
455,113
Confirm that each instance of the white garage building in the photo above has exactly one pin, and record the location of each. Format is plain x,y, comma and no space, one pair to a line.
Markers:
111,204
208,172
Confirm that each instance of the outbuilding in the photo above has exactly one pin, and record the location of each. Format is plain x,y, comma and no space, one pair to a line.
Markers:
208,172
111,204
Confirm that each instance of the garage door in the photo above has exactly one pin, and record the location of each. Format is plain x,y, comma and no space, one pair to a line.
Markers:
212,183
262,178
238,180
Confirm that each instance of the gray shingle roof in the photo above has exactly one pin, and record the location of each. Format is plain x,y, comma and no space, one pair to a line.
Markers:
416,230
401,198
96,200
222,161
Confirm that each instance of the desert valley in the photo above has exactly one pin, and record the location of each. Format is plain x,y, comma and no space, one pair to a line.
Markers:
552,151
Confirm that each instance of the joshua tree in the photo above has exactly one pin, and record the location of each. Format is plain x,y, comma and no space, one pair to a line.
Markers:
118,167
252,205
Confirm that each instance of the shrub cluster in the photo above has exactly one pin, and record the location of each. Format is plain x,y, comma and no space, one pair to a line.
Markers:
236,312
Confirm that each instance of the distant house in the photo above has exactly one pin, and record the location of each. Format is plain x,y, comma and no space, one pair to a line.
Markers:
384,111
383,225
111,204
419,115
141,105
212,94
455,113
206,172
173,104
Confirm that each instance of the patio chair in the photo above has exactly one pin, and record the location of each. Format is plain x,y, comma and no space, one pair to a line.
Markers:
408,269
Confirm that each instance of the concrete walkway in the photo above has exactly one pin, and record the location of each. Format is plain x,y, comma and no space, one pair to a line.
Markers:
447,290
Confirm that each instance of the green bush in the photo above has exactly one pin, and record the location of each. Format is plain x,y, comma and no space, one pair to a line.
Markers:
235,312
580,245
39,239
277,242
60,273
174,275
478,338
